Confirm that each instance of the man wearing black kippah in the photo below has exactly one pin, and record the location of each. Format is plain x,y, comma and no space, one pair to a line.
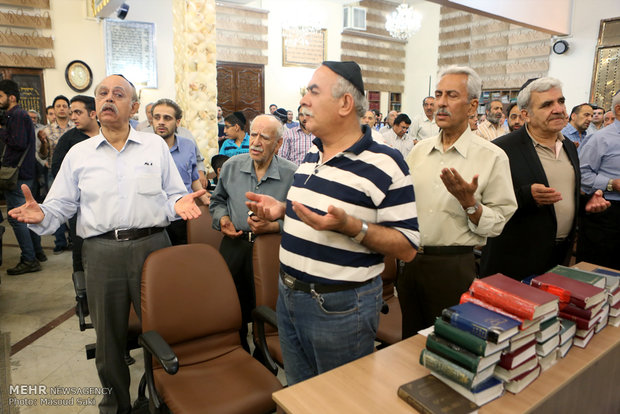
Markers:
238,141
351,203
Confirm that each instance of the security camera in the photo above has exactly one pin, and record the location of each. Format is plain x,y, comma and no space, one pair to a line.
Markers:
122,11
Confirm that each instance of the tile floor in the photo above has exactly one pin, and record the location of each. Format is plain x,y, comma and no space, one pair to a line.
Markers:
31,301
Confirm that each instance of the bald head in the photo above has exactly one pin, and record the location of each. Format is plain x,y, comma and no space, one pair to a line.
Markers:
115,101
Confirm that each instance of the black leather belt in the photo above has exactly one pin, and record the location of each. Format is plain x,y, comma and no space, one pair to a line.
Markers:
445,250
130,234
297,284
248,236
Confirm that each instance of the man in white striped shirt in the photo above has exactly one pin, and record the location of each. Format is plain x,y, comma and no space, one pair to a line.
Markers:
351,203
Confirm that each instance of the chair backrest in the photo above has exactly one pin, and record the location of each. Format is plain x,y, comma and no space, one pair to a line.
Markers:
266,262
200,230
187,294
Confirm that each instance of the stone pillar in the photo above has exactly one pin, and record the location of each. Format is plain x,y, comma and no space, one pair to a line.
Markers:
195,70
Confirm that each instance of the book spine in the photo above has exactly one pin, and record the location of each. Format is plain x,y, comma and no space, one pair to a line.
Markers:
471,343
452,354
505,300
563,294
446,368
455,320
581,323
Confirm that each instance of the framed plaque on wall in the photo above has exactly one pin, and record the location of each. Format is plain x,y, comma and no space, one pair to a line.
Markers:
300,49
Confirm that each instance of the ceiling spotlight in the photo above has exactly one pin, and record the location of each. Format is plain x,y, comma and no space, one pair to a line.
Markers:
122,11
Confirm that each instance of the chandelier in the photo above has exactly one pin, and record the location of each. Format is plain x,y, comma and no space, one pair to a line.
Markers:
404,22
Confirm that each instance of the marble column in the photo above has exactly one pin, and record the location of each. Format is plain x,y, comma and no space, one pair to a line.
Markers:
195,70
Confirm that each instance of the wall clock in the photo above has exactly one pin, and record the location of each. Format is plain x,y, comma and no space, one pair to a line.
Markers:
78,75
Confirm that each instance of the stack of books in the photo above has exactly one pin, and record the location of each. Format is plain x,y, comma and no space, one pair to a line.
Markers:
520,362
567,333
581,302
612,285
465,347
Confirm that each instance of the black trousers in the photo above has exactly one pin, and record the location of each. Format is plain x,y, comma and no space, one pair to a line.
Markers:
599,237
428,284
238,256
177,231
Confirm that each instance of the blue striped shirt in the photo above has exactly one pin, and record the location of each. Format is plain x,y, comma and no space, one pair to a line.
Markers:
369,181
229,148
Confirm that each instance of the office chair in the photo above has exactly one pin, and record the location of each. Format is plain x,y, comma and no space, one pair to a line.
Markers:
266,263
200,230
390,328
191,318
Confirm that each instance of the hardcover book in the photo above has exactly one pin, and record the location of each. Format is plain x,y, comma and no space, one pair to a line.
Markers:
482,394
581,275
525,323
579,293
582,313
509,374
548,360
548,329
468,341
567,330
481,322
519,383
612,278
453,371
518,343
512,359
517,298
459,355
583,324
582,342
429,395
614,310
564,348
614,297
544,348
614,321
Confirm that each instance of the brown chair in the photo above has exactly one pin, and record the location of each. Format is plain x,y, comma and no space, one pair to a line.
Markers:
191,319
200,230
390,328
266,263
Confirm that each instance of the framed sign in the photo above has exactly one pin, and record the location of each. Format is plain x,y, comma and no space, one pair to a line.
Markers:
130,51
303,49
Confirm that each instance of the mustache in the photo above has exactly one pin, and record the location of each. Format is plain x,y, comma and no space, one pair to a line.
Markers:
255,148
109,105
443,111
306,112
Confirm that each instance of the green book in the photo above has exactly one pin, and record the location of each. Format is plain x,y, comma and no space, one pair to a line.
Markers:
460,355
452,371
581,275
466,340
429,395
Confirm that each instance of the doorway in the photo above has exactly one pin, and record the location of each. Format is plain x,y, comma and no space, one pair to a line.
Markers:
241,87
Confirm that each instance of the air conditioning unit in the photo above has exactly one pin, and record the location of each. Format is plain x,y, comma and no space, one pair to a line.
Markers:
354,18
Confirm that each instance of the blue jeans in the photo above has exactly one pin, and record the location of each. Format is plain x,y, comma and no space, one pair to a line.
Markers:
29,242
323,332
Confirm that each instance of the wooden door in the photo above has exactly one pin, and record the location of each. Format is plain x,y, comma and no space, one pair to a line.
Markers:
241,87
31,88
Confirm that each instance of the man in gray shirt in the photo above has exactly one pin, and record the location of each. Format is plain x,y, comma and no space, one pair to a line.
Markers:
259,171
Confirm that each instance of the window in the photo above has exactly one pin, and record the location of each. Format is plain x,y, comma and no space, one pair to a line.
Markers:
395,101
374,100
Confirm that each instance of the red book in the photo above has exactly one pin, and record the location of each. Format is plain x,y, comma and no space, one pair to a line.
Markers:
518,356
581,322
582,313
581,294
515,297
467,297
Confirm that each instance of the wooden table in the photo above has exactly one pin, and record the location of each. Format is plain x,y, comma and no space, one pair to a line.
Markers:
585,381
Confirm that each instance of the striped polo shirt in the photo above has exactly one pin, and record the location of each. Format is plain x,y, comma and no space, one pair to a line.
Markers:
369,181
229,148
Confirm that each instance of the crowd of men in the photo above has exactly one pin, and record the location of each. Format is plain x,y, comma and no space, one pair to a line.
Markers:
344,190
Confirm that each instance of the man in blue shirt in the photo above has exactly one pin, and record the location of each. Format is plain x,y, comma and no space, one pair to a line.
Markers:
599,159
166,119
127,189
580,118
238,141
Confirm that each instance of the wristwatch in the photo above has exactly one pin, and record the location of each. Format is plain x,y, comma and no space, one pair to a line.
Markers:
472,210
610,185
360,236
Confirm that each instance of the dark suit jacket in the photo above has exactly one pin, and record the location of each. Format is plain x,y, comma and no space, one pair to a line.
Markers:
526,243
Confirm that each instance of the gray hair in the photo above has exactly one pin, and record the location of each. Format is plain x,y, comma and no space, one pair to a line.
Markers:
615,101
343,87
474,82
32,111
539,85
277,124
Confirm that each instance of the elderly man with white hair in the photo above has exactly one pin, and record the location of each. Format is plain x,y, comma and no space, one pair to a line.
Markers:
546,179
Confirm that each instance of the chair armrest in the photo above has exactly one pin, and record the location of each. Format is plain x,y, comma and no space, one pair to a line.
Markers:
261,315
155,345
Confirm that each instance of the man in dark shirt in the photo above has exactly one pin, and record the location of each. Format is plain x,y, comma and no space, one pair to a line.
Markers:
17,134
84,117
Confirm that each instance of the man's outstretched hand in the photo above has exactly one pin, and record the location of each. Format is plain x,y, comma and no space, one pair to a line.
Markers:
186,206
30,212
265,207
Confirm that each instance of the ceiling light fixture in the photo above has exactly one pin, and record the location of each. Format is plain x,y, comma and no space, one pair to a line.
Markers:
404,22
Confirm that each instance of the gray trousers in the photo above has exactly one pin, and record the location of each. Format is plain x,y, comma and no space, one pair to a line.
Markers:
113,275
